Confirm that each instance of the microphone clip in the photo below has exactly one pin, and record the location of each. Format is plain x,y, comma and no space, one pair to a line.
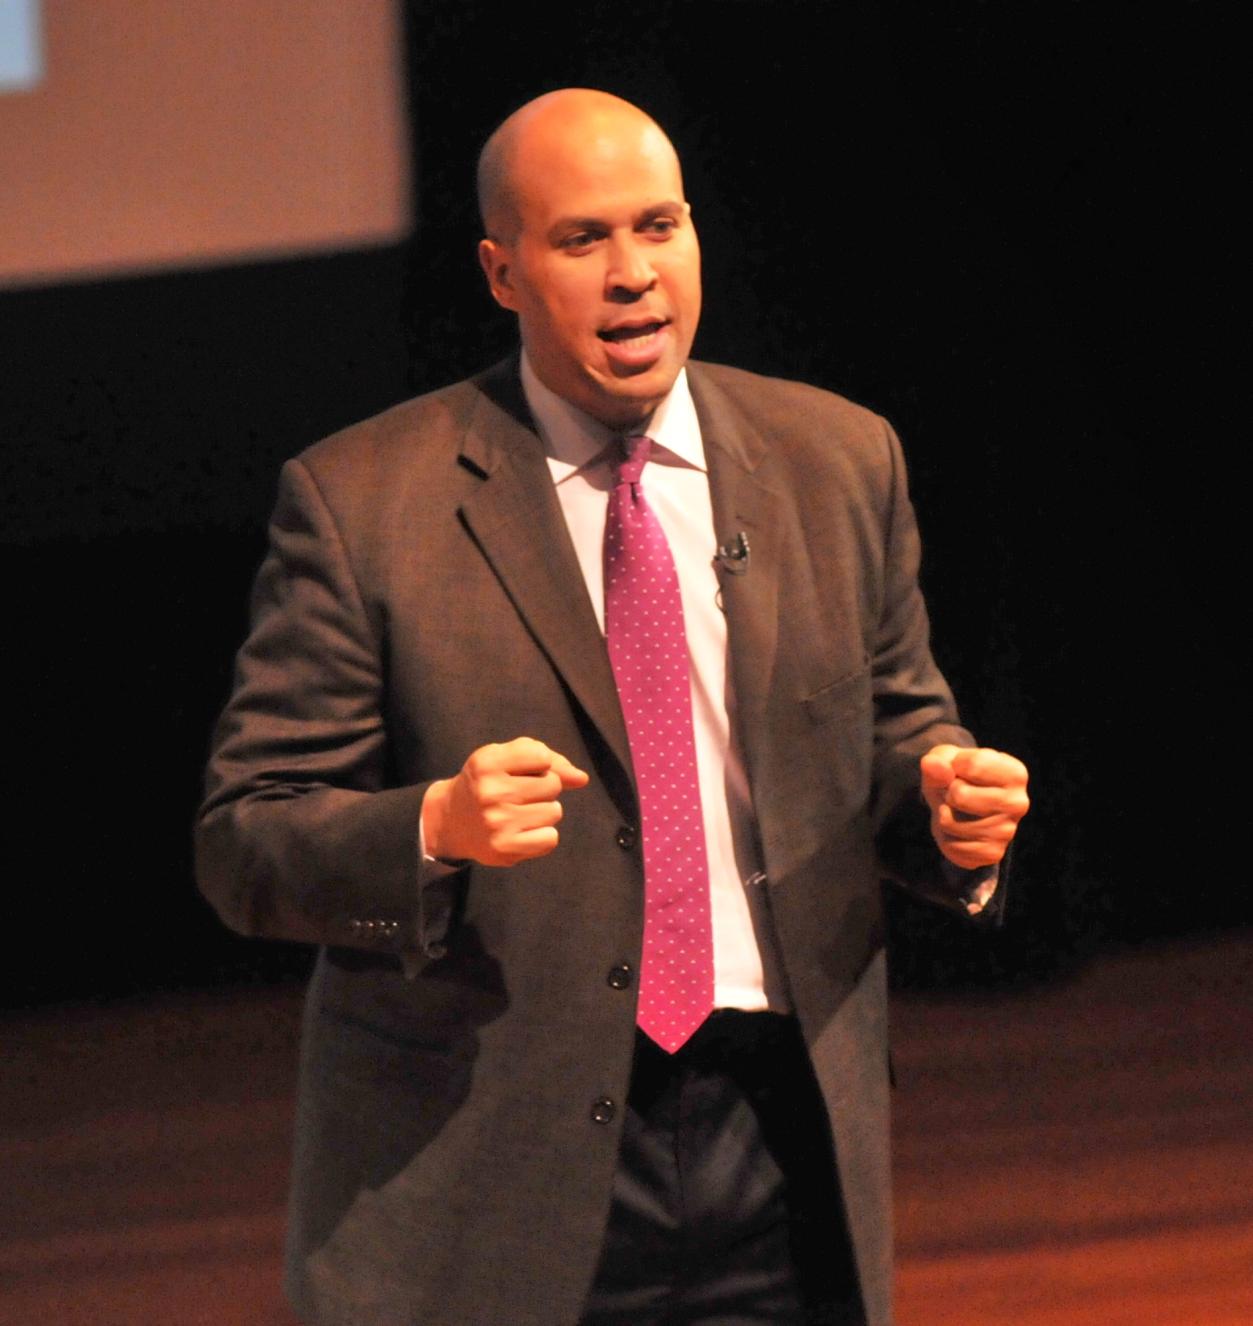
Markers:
732,556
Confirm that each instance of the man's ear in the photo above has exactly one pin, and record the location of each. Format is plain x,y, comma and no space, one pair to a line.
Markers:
495,260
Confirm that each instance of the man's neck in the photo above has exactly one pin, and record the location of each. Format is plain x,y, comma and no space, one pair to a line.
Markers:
574,437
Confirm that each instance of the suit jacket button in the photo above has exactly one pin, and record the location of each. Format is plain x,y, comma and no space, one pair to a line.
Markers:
625,837
602,1110
620,976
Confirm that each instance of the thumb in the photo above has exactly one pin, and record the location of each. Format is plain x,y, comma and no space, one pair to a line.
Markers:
571,775
937,771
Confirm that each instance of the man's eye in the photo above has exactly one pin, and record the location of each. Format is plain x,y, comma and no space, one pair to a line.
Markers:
661,225
581,239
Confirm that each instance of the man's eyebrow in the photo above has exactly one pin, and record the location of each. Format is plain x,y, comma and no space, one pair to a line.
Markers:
668,208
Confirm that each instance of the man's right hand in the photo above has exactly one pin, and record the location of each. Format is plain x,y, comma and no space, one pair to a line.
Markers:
502,807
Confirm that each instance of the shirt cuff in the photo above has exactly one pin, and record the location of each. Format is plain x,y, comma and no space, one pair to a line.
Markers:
974,888
431,867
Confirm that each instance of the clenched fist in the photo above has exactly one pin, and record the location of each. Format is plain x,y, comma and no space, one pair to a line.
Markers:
976,796
502,807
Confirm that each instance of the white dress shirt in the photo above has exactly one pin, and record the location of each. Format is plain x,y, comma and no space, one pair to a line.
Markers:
581,454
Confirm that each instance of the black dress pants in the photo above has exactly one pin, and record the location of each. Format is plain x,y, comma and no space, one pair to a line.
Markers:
725,1207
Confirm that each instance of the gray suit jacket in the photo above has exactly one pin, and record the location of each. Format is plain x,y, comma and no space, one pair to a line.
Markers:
421,598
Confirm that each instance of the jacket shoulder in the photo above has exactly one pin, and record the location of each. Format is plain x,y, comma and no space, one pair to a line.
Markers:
435,419
783,407
807,431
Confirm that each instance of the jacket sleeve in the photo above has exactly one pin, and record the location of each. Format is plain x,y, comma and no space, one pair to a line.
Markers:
914,710
299,836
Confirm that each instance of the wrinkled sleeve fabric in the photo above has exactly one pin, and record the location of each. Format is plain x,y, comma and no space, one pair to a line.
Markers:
299,836
914,710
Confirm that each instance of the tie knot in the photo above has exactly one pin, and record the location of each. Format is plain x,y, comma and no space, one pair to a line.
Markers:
635,453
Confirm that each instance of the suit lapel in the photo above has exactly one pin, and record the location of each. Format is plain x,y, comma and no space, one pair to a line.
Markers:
516,520
744,503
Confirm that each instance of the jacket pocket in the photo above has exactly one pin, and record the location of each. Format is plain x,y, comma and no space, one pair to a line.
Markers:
835,698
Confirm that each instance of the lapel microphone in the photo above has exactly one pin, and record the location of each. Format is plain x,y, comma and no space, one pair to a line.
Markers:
732,556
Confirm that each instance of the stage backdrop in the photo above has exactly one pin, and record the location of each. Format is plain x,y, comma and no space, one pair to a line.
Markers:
138,134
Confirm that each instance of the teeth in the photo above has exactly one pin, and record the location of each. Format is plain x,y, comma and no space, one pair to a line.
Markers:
632,335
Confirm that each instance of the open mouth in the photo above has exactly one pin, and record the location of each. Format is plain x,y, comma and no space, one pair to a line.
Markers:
634,335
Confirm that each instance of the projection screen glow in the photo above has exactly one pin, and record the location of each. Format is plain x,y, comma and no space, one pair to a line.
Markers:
140,134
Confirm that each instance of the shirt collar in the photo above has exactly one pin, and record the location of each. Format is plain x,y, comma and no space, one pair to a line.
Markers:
574,440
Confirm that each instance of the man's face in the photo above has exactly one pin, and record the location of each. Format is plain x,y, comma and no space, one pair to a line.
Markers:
604,270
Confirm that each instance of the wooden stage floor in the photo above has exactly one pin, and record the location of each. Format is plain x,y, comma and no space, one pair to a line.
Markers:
1080,1153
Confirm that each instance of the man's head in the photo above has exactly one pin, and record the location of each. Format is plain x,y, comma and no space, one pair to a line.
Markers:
590,242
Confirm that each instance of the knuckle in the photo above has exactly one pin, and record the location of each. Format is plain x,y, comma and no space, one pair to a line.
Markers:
495,817
503,845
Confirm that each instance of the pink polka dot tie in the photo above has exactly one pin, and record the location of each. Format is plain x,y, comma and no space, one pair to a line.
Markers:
648,653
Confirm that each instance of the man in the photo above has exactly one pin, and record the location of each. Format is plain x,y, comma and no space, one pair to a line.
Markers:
586,704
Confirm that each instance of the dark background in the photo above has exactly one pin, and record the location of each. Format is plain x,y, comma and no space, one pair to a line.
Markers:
1010,229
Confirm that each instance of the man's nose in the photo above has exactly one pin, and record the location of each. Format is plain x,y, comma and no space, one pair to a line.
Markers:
630,273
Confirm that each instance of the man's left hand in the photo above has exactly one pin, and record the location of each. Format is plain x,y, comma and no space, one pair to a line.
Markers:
976,796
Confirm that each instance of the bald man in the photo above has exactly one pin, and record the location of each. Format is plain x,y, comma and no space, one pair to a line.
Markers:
586,704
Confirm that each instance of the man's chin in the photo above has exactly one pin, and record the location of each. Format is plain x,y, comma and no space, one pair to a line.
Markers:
629,400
